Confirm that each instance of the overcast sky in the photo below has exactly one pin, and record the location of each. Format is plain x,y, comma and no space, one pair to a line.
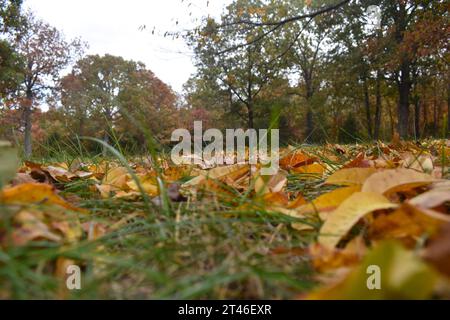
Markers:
112,26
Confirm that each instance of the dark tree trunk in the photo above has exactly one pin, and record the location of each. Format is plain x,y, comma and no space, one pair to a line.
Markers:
448,109
28,120
404,90
367,108
309,124
417,118
378,108
309,112
435,118
391,118
404,81
425,131
251,115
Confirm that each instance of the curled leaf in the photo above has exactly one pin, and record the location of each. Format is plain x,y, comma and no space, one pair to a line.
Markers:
340,221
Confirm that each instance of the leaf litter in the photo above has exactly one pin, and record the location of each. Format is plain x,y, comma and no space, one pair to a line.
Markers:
384,205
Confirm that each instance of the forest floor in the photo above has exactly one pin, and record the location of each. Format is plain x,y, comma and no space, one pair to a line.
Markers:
138,230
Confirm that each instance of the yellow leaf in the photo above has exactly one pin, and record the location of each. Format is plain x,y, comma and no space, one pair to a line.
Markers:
329,201
391,181
148,184
34,193
351,176
323,205
340,221
117,177
403,276
217,173
105,190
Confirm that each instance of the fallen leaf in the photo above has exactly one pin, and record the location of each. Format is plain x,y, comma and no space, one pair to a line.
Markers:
340,221
431,199
270,184
352,176
438,252
403,276
325,259
328,201
31,228
295,159
117,177
391,181
316,169
34,193
405,224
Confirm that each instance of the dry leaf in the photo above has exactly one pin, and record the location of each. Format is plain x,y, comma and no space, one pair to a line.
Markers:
34,193
391,181
403,276
352,176
340,221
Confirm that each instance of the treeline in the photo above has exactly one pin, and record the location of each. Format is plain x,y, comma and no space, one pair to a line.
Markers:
331,70
326,70
105,97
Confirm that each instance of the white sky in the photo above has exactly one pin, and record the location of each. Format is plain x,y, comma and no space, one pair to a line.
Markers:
112,26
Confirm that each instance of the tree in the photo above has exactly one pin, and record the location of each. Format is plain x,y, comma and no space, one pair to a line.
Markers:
94,86
9,14
246,70
307,54
46,54
415,29
113,92
10,63
10,69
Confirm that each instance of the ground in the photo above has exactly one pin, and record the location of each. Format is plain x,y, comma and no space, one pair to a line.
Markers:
142,228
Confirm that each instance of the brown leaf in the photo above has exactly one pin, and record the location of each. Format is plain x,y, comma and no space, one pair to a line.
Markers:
391,181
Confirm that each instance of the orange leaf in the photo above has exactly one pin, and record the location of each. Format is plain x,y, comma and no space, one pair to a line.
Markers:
34,193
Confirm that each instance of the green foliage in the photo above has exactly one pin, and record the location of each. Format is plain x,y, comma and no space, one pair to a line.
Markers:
11,68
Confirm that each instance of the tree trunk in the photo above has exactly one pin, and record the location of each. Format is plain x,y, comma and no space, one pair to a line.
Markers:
367,107
309,124
309,112
448,109
425,131
404,90
404,72
378,108
391,118
28,119
435,118
417,118
251,115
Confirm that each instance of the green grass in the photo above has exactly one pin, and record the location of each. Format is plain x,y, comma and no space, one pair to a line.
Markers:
206,249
